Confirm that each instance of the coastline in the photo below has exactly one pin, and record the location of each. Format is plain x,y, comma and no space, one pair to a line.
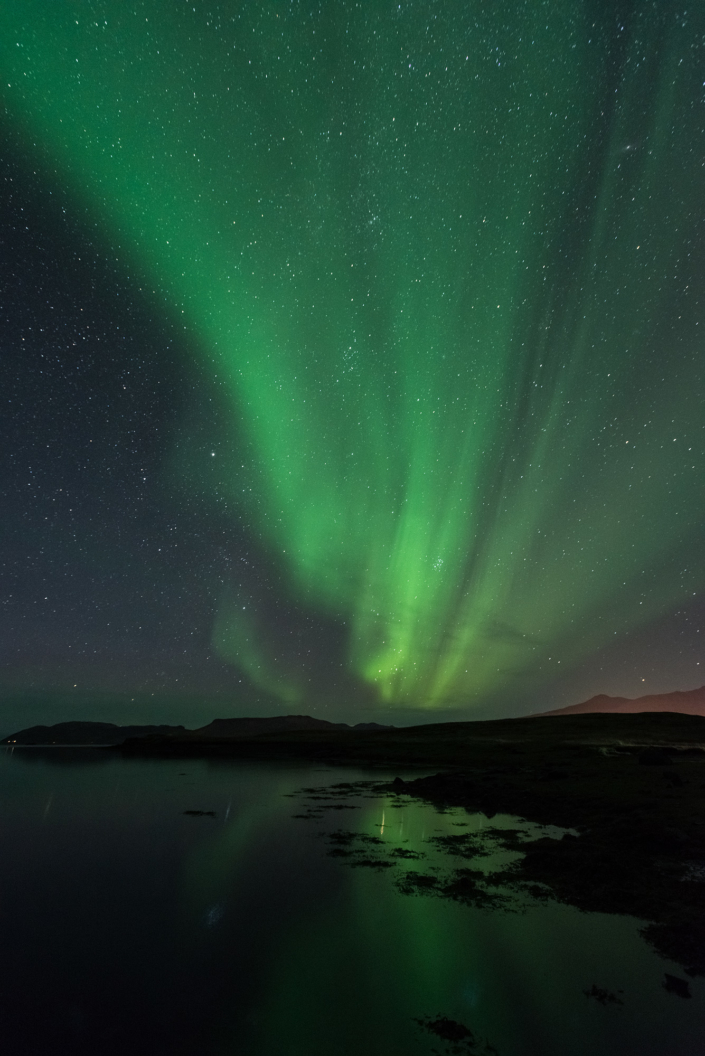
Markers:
632,786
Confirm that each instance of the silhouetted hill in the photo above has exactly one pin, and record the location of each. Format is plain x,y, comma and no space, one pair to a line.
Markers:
85,733
451,743
687,702
252,727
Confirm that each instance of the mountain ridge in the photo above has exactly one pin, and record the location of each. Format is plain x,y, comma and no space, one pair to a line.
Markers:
686,702
108,733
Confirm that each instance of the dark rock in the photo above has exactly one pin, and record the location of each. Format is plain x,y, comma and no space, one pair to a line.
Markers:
655,756
447,1029
675,985
603,996
371,863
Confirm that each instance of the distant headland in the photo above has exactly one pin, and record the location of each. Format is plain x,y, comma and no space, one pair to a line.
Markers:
108,734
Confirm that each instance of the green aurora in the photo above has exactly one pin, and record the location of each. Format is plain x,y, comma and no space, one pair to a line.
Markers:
441,262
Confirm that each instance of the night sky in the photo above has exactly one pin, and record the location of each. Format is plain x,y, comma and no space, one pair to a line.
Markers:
352,357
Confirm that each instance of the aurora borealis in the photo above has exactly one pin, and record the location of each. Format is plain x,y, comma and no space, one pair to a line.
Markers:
439,267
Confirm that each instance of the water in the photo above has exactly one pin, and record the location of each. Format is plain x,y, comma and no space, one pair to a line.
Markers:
127,926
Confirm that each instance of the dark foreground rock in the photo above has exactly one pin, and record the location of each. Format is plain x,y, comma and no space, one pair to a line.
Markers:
641,844
632,787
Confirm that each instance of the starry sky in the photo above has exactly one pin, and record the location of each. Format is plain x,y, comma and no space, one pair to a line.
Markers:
352,357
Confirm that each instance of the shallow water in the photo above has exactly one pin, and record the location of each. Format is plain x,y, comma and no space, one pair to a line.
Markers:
128,926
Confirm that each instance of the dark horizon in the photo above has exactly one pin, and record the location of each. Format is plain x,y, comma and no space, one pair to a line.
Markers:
50,708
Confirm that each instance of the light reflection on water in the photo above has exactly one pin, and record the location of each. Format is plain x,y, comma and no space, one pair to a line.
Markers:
130,926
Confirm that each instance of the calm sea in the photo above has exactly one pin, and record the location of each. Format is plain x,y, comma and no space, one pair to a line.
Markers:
128,926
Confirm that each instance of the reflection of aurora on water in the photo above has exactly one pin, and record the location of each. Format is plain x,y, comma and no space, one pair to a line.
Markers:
440,267
239,933
352,963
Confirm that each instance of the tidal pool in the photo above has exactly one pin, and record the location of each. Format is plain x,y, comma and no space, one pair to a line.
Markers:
183,907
